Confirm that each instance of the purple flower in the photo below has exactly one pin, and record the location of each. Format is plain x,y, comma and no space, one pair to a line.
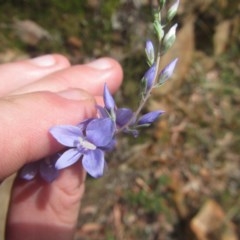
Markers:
124,118
149,118
88,142
120,116
44,167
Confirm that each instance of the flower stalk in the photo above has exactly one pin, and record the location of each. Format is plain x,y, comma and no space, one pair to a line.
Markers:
89,140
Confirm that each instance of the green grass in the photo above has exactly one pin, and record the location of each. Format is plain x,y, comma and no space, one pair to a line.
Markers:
152,202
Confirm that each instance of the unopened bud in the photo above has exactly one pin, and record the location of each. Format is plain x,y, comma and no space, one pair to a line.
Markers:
172,10
167,72
148,78
149,49
162,3
159,29
170,37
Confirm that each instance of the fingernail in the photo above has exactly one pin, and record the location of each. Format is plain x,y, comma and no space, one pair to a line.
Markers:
100,64
75,94
44,61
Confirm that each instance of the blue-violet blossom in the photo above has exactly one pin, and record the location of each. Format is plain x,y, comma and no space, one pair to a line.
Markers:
87,142
120,116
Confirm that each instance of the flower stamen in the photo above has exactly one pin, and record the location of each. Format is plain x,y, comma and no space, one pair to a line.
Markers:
86,144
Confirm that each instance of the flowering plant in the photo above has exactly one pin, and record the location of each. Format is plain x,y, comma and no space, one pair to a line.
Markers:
89,140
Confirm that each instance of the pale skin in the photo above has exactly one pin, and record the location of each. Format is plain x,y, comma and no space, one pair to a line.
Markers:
36,95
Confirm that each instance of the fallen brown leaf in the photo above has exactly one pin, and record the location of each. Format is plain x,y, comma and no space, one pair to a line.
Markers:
91,227
211,223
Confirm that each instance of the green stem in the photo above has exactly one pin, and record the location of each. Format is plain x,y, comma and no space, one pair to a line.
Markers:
148,94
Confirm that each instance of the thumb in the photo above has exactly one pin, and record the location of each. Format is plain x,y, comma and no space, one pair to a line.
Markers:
26,119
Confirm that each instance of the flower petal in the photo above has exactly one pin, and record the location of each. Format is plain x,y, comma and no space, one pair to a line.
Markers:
108,99
110,146
94,163
68,158
149,117
123,116
100,131
102,112
82,125
66,135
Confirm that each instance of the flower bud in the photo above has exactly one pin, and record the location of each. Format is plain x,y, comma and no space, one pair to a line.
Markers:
108,99
167,72
170,37
148,78
150,52
172,10
149,118
162,3
157,26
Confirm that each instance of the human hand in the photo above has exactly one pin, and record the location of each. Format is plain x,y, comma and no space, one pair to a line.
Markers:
36,95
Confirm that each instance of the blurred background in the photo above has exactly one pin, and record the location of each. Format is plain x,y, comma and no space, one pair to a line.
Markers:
181,179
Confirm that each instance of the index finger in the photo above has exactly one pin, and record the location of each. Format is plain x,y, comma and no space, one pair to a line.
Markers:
90,77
